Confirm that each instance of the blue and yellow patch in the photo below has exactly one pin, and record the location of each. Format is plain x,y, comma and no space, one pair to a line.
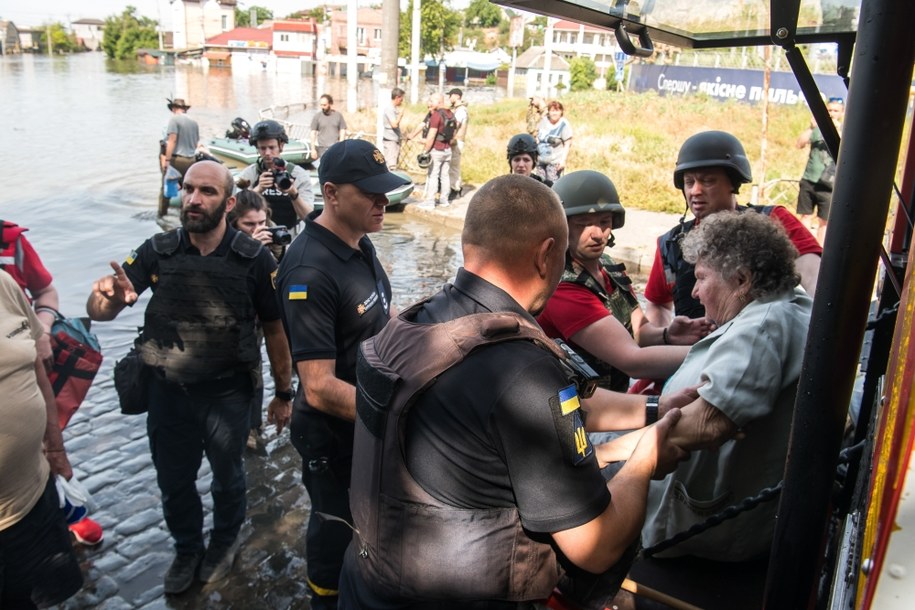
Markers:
570,426
131,257
298,292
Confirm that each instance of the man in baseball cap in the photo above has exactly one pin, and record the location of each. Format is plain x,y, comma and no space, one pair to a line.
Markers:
334,295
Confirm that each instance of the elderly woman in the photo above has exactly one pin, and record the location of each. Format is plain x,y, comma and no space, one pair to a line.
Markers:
554,141
749,368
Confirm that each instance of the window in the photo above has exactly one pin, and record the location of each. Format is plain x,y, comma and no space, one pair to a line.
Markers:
360,35
225,23
284,37
377,34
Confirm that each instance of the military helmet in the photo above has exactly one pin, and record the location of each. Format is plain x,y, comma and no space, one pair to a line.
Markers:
587,192
714,149
268,130
424,160
522,144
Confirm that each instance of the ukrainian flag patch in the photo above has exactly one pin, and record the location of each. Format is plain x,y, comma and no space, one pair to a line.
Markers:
568,400
298,292
131,257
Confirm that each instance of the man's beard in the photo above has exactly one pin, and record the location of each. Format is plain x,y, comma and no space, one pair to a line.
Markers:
205,224
328,111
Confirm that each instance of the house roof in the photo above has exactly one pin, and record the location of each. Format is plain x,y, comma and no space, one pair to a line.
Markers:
535,57
294,26
249,34
88,22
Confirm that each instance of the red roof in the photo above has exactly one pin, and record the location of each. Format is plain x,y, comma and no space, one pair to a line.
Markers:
571,25
294,26
252,34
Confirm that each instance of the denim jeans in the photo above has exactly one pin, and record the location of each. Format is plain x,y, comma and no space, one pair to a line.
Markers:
184,423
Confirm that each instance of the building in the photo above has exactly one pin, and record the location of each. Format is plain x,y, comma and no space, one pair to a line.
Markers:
88,32
368,31
531,66
240,46
295,41
572,39
29,38
9,39
196,21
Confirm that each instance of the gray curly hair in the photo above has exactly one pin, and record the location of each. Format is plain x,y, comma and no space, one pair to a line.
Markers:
728,242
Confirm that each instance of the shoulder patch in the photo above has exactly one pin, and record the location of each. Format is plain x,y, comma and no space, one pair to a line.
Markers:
570,427
297,292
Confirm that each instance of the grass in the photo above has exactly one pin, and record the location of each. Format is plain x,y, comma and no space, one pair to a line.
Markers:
634,139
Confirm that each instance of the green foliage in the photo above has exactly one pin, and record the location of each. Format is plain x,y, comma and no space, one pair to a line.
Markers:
583,73
61,40
126,33
243,16
482,13
439,26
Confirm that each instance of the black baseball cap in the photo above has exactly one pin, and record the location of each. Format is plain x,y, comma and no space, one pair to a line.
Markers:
456,91
359,163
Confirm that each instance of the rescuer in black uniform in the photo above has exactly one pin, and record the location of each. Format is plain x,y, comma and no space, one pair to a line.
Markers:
334,295
473,495
210,282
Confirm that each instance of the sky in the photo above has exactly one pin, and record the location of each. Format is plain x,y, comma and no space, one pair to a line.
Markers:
29,13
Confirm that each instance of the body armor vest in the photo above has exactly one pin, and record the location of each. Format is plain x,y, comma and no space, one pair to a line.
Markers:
619,304
199,324
682,273
409,544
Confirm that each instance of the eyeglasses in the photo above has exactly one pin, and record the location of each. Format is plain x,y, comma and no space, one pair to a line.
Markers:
836,100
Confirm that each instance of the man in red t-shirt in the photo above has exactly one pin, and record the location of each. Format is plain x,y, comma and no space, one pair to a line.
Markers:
594,308
438,145
710,168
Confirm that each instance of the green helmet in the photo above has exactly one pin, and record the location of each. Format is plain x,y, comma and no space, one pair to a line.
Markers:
589,192
714,149
268,130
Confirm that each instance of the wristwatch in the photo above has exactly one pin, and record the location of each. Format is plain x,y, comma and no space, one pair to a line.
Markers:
651,409
287,396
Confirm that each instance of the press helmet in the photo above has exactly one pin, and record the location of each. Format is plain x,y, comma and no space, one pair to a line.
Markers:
522,144
587,192
714,149
241,127
268,130
424,160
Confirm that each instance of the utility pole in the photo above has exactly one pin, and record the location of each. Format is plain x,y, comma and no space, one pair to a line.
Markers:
388,74
415,33
352,70
50,42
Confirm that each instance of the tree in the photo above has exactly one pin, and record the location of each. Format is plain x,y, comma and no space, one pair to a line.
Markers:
482,13
61,40
439,27
126,33
243,16
582,72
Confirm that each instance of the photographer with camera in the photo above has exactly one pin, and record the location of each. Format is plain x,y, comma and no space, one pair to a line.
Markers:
251,215
285,186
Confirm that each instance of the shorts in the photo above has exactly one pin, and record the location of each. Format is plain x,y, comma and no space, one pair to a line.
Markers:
813,196
38,567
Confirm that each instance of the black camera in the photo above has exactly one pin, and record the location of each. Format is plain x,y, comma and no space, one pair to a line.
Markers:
281,177
281,235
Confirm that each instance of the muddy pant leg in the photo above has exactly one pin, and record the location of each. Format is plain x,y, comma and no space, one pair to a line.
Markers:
226,427
325,445
177,449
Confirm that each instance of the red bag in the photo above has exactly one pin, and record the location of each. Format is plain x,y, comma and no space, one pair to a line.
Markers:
77,358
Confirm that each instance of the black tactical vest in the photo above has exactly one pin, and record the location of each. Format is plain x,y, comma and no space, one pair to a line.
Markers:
199,324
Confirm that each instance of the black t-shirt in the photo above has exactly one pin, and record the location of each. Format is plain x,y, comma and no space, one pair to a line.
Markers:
491,431
142,269
333,297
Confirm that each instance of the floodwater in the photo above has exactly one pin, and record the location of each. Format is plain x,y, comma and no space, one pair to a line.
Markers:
80,154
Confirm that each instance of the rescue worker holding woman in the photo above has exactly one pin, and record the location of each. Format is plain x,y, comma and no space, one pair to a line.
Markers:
473,477
594,307
291,200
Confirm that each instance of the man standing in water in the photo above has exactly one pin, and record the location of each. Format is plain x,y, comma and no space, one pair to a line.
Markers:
182,135
210,283
334,295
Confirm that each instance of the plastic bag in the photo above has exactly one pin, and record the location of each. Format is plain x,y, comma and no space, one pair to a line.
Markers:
75,499
170,182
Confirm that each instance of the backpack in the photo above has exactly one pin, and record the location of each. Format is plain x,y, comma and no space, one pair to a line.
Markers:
449,126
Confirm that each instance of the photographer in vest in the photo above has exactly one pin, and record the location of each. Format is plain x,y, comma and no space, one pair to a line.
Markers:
210,283
710,168
474,483
594,307
285,186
